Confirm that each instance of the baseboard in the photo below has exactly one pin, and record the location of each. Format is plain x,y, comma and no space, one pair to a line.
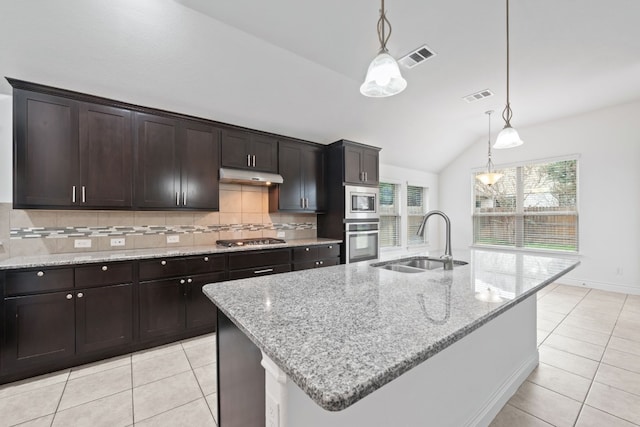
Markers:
625,289
501,396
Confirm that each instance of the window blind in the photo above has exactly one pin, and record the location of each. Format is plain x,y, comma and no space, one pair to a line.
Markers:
416,208
389,215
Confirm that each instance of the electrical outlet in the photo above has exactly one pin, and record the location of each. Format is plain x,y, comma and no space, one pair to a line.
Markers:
82,243
273,412
280,234
117,241
173,238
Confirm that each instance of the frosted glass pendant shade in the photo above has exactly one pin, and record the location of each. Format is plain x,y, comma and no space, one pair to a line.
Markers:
489,178
383,77
507,138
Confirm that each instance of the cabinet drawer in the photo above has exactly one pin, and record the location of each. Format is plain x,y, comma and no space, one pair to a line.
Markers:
161,267
256,272
204,264
307,253
328,251
241,261
104,274
305,265
43,280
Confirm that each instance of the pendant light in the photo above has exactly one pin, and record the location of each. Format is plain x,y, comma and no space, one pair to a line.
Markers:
383,76
489,178
508,137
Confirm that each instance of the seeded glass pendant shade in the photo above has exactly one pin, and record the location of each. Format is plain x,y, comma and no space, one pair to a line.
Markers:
489,177
383,76
508,137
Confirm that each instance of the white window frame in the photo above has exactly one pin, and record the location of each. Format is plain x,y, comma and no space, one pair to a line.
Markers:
404,221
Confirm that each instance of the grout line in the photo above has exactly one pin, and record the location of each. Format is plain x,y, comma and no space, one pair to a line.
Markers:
528,413
60,399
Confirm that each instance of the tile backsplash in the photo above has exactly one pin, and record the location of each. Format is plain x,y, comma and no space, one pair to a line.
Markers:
244,213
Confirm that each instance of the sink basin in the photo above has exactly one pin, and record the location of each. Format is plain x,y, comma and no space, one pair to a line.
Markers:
416,264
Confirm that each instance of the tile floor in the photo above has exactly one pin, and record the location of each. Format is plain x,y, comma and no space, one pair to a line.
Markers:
588,376
589,371
172,385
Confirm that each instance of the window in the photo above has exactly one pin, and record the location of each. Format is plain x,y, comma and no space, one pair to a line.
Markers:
416,208
533,206
389,215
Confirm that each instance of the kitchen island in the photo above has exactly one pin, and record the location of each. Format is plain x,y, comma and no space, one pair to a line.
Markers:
359,345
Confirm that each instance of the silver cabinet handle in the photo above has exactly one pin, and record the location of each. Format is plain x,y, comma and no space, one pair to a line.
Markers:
69,296
84,194
177,198
306,202
206,259
189,280
40,273
105,268
80,294
184,198
254,160
266,270
366,176
73,194
182,281
163,262
248,159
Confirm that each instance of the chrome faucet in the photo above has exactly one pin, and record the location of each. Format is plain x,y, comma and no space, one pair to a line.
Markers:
447,257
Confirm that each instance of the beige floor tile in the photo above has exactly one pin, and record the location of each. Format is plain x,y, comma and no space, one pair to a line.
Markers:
29,384
96,386
195,413
630,315
547,405
547,325
102,365
30,405
541,336
212,401
201,354
510,416
160,396
609,311
571,345
159,367
114,410
560,381
582,334
619,378
550,315
615,402
38,422
207,377
569,362
592,417
572,290
155,351
621,359
625,345
629,323
603,326
599,295
627,333
204,339
562,309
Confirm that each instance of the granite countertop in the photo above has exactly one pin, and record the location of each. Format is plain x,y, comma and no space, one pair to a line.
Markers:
342,332
134,254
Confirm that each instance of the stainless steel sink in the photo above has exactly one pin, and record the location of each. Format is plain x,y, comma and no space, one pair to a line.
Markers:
418,264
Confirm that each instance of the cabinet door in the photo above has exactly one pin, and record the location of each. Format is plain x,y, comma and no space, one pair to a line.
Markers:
161,308
105,156
158,177
200,148
265,150
104,317
38,329
290,192
352,165
201,312
370,166
313,178
45,150
235,149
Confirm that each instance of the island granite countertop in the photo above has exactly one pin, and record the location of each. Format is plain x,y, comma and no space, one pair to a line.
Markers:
34,261
342,332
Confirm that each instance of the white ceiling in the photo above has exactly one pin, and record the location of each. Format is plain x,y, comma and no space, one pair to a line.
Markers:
294,67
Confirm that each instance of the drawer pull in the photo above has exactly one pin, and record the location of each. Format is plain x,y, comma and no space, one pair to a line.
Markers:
206,259
306,249
189,280
40,273
317,263
321,262
266,270
80,294
182,281
69,296
163,262
105,268
330,247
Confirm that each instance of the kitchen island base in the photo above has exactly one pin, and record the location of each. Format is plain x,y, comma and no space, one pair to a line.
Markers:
465,384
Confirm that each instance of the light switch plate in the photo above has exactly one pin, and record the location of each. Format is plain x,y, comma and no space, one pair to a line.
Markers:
173,238
280,234
82,243
117,241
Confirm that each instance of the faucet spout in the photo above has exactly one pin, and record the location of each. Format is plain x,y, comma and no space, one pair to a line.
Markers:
448,257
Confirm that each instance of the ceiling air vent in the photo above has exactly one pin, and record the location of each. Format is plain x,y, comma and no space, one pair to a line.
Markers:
477,96
416,57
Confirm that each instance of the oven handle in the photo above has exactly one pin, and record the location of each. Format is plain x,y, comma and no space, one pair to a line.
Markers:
351,233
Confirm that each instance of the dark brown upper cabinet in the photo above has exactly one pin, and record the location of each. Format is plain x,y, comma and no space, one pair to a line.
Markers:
178,163
302,169
64,149
360,164
251,151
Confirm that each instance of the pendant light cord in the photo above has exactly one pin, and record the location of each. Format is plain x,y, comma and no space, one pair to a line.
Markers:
489,163
380,27
507,113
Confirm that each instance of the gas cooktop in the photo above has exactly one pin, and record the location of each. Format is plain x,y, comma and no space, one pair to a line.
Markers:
249,242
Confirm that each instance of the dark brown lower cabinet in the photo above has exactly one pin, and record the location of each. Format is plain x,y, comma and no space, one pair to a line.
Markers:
241,395
308,257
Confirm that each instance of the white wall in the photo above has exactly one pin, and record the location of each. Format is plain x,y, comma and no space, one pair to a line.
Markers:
608,142
6,159
398,175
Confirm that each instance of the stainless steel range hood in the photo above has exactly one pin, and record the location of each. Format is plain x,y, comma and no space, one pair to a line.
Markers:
239,176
